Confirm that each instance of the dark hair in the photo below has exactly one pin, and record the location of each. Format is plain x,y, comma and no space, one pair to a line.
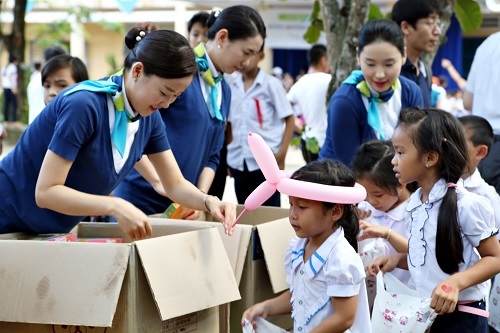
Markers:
163,53
13,58
372,161
381,30
433,130
481,130
78,69
316,52
37,65
329,172
53,51
413,10
241,22
200,18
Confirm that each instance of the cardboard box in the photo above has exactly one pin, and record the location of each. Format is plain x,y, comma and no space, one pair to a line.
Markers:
171,283
256,252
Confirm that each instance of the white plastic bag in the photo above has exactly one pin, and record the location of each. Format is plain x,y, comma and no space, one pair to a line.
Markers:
494,319
263,326
369,250
400,309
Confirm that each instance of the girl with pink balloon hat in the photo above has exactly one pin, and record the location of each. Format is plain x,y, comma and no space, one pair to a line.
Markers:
323,255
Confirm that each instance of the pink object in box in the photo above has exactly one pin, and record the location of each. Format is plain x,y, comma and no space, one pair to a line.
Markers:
100,240
60,238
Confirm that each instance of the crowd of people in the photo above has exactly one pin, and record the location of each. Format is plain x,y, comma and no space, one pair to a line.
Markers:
172,124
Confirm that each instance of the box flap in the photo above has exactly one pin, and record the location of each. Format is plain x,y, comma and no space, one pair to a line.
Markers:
236,245
274,238
61,283
188,272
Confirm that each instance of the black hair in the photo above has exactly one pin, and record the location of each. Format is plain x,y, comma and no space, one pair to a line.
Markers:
13,58
329,172
438,131
78,69
37,65
481,130
53,51
381,30
163,53
200,17
372,161
241,22
316,52
413,10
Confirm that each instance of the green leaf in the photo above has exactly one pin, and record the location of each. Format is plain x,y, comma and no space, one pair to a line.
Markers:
295,142
315,11
312,145
468,13
312,34
375,13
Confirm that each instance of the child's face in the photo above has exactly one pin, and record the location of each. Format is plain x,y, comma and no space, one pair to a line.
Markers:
379,197
474,152
408,165
197,34
309,220
56,82
381,64
254,63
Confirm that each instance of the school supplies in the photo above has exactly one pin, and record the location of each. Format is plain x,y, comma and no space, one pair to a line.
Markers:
176,211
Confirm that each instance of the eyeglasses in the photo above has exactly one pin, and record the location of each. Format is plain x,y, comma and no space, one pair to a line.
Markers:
433,23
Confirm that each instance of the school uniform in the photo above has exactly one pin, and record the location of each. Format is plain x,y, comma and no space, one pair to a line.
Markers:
195,138
476,223
261,110
348,126
394,219
334,270
76,127
423,81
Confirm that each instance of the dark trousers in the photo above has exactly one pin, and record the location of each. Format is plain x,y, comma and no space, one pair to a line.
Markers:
246,181
461,321
9,105
219,183
306,154
490,166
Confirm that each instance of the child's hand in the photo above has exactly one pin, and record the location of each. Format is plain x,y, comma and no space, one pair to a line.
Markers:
258,310
372,230
445,297
384,264
362,214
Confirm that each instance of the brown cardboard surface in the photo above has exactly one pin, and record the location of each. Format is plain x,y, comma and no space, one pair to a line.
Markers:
116,288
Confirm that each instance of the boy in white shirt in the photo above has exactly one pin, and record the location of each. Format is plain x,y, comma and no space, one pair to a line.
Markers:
258,105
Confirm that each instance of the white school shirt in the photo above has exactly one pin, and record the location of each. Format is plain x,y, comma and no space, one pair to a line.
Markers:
476,184
394,219
309,93
476,223
388,111
9,76
334,270
274,108
484,81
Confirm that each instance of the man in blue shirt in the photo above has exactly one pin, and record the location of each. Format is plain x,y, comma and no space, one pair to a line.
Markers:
421,27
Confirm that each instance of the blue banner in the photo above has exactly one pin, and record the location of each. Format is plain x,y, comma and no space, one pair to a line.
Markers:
127,6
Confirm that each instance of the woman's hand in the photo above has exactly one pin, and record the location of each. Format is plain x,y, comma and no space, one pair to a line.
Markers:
445,297
223,211
372,231
131,220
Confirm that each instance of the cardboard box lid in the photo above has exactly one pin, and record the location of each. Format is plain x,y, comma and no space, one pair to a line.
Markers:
236,245
189,273
274,238
34,290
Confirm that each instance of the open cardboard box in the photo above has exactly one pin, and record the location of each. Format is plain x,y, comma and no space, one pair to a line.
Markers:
256,252
171,283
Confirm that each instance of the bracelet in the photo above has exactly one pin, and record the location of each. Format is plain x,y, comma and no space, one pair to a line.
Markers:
205,203
388,234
